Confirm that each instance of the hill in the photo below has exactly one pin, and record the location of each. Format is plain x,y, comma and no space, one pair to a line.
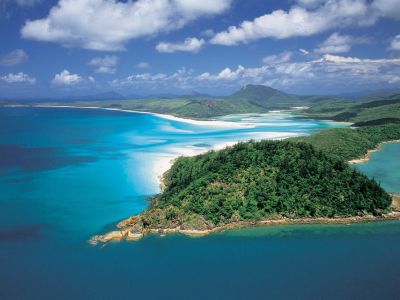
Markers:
361,112
347,144
264,96
249,99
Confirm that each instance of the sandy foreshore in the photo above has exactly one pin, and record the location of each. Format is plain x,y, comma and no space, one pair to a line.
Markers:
368,156
214,123
126,233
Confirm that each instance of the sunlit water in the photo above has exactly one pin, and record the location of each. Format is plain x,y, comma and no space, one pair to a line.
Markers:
67,174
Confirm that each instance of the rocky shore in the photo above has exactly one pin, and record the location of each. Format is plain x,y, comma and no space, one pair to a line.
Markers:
132,229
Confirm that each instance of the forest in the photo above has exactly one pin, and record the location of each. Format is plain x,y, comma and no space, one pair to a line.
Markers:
351,143
254,181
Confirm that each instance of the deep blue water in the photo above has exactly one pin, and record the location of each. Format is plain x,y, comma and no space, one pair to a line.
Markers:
67,174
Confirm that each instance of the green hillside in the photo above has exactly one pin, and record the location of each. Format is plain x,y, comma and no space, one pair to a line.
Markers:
258,181
374,112
249,99
265,97
347,143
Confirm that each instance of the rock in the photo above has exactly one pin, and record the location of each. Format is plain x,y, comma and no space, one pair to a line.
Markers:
132,236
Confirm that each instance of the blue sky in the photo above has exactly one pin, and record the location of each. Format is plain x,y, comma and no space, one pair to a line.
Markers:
78,47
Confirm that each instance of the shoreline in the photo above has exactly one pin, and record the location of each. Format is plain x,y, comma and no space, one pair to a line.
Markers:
369,153
126,234
209,122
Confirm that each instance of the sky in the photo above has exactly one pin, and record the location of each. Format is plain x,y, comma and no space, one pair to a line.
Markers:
58,48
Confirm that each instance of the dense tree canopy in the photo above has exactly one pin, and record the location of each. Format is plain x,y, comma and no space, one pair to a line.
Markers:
260,180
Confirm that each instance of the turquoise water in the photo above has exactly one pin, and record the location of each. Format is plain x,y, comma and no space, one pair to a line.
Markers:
67,174
384,166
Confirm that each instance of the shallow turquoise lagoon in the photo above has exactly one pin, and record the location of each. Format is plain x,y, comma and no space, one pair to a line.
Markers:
384,166
67,174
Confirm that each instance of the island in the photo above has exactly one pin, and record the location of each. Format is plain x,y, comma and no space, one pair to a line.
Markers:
299,180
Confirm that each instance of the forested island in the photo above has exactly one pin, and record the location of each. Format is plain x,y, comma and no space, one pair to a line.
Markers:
300,180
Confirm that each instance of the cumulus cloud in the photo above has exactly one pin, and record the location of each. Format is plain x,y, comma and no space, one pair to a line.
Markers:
388,8
336,43
279,58
15,57
110,24
105,65
65,78
182,78
326,72
307,18
188,45
395,43
18,78
225,74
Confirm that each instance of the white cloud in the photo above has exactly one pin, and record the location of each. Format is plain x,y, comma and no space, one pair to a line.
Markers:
395,43
307,18
15,57
225,74
105,65
279,58
388,8
143,65
109,24
188,45
336,43
18,78
208,33
181,78
304,51
340,59
65,78
328,72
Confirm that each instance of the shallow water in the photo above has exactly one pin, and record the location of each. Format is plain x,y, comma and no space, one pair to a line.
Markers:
66,174
384,166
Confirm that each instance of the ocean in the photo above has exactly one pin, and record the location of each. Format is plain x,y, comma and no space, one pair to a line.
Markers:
68,174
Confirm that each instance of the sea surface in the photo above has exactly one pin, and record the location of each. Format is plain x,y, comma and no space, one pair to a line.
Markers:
67,174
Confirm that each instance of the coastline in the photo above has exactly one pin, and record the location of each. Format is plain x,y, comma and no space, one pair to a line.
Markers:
210,122
368,156
126,232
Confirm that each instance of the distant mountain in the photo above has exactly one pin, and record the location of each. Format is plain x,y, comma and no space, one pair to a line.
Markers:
249,99
264,96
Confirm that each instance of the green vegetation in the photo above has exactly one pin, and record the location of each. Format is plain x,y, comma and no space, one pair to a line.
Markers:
382,121
374,112
249,99
261,180
265,97
347,144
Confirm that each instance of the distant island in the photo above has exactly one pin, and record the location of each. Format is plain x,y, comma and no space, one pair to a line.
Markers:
300,180
376,108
